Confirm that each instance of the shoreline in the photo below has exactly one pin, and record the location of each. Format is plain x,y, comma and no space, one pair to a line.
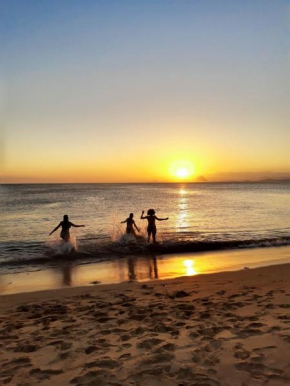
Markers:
57,293
214,329
141,269
52,256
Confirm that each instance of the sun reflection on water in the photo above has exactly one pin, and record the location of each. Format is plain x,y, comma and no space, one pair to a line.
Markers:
190,270
182,216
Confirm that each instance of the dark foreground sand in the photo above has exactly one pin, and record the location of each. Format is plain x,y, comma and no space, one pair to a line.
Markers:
222,329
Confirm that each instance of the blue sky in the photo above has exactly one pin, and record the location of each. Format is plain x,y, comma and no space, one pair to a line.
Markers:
87,86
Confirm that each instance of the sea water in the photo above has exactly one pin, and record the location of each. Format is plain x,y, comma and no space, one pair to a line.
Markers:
201,217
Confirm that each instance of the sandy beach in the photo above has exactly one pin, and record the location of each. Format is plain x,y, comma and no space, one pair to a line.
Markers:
229,328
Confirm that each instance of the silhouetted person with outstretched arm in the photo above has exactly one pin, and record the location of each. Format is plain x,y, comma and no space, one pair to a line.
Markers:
151,228
66,225
130,224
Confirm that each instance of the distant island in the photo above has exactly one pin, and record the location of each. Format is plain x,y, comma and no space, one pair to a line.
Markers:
270,180
262,181
201,179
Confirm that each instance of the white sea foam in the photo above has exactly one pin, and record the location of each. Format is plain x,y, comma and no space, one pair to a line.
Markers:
61,247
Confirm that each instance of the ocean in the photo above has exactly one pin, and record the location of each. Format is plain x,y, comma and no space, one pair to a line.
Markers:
202,217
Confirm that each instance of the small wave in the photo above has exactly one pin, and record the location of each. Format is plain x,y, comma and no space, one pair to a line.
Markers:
127,245
168,247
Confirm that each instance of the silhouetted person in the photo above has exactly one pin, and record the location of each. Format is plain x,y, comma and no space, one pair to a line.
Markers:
130,224
66,225
151,228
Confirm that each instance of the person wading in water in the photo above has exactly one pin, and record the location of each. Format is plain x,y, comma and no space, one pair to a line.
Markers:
151,218
130,224
65,225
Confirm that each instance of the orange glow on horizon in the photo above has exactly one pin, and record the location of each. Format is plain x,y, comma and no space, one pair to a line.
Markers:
182,170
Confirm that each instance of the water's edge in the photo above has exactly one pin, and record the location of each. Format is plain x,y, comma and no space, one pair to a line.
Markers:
141,268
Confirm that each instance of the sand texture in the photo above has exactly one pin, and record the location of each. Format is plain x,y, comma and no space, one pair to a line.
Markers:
230,329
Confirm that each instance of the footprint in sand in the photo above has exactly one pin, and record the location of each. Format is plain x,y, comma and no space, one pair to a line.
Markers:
106,362
125,337
64,356
260,370
286,338
41,375
150,376
284,305
246,333
215,344
162,328
139,331
165,347
149,343
274,328
10,368
196,379
99,378
158,358
285,318
16,364
221,292
126,345
26,348
65,346
242,354
89,350
125,356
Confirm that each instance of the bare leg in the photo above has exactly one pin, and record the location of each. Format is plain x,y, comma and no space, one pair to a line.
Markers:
65,236
154,235
149,234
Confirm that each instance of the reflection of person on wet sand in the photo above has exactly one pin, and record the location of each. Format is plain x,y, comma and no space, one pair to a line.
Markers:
67,275
151,229
153,269
131,268
66,225
130,224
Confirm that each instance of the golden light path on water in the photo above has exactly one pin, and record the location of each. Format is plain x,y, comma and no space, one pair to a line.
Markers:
182,215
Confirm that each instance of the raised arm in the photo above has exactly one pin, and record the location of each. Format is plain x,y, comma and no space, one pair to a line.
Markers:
55,229
161,219
77,226
142,215
123,222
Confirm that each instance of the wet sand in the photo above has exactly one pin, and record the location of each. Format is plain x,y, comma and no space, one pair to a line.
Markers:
140,268
230,328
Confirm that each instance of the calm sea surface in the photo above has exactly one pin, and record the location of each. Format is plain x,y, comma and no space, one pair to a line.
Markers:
201,217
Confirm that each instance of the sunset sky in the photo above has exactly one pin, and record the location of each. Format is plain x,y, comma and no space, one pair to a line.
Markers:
144,91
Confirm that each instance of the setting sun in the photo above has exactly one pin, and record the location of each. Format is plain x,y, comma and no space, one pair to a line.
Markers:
182,169
182,173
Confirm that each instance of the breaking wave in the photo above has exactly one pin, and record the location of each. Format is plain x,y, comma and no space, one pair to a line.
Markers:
89,250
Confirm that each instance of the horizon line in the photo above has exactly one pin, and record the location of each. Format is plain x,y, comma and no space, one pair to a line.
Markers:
149,182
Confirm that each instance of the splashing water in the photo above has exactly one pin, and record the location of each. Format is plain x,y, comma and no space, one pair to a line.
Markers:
58,246
117,231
